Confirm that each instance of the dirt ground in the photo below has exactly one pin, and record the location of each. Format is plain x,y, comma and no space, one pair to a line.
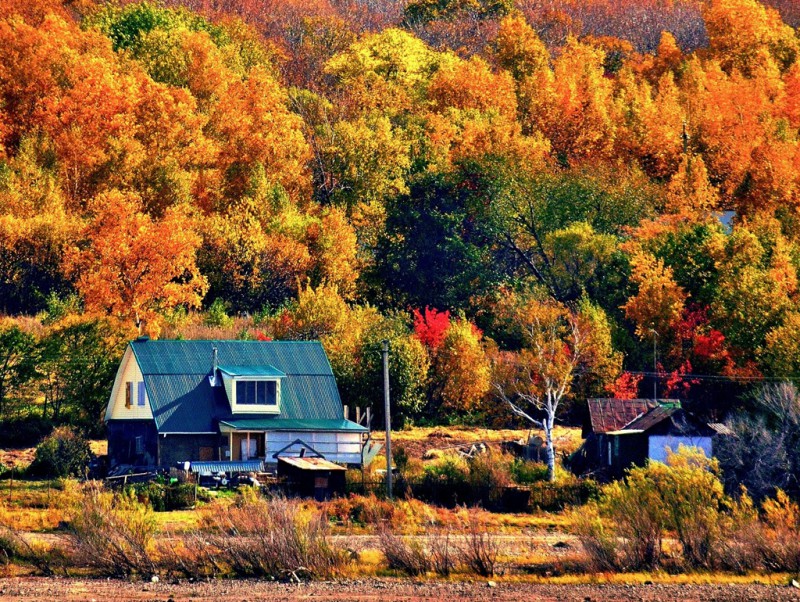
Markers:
386,590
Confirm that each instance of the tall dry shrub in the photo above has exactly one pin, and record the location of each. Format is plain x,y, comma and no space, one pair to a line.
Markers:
480,547
112,533
599,539
695,504
740,549
444,553
780,544
407,554
188,555
635,510
256,537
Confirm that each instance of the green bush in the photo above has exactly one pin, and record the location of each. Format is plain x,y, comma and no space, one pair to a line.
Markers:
112,533
217,315
526,472
64,453
684,499
179,496
445,483
164,498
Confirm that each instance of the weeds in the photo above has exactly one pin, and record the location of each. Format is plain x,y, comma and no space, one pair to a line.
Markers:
112,534
441,551
480,548
256,537
444,554
406,554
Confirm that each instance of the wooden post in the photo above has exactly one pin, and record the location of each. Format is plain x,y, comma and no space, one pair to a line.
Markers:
248,447
386,408
230,446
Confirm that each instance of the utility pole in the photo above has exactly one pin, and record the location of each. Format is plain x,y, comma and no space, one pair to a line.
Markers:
385,352
655,365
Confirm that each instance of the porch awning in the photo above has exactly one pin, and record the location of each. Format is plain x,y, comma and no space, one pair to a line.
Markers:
289,424
207,468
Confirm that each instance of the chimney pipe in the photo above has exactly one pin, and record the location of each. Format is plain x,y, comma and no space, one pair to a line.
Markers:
212,378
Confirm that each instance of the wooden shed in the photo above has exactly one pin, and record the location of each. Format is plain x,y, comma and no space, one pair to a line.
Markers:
627,432
312,477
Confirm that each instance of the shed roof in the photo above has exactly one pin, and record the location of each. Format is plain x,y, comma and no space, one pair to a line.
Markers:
667,419
612,414
310,463
650,419
183,401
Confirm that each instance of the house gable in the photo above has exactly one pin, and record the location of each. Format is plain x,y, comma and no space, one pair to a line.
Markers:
129,399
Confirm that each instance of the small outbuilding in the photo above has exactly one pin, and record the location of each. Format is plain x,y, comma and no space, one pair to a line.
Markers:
312,477
627,432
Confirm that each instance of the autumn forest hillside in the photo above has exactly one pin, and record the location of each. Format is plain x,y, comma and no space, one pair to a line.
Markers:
474,180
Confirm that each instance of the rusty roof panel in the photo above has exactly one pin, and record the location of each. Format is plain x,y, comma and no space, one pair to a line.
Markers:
612,414
647,421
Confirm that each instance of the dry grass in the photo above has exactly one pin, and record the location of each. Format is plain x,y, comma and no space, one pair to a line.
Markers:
418,440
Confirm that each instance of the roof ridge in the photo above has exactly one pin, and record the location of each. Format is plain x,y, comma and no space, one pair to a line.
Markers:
150,341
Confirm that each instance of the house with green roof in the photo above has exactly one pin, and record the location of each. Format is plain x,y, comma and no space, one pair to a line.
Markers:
230,401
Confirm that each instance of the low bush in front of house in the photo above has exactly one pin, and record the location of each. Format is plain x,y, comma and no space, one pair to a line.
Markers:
163,497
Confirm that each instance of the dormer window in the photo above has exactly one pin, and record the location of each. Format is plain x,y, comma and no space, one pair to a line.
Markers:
253,389
257,392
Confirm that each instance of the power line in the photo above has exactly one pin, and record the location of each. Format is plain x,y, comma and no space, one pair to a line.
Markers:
715,376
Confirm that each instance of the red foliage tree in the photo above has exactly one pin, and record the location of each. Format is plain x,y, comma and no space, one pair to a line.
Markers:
430,327
626,386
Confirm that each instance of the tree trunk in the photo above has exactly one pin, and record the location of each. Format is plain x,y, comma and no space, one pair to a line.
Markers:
551,452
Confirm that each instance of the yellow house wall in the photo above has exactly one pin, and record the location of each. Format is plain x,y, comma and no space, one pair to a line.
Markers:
128,372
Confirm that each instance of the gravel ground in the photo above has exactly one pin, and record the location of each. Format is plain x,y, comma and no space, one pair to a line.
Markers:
71,590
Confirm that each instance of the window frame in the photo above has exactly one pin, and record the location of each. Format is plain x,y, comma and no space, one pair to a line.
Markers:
255,408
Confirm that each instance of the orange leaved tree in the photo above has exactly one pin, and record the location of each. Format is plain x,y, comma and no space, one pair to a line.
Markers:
133,267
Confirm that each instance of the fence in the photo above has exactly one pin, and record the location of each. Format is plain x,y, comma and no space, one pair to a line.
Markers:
537,496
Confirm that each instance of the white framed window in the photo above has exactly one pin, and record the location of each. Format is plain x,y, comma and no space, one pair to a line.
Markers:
255,395
140,398
257,392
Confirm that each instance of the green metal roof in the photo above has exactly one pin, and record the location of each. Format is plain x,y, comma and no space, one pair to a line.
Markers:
183,400
280,424
195,357
265,371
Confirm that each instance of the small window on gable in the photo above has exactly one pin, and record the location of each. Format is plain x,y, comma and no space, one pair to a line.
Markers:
128,394
141,394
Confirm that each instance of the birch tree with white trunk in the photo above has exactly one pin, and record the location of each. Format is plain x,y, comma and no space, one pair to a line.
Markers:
537,378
